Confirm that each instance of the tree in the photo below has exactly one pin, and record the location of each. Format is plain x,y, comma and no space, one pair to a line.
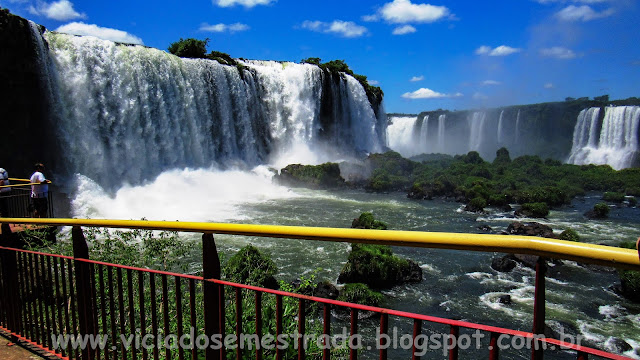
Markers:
189,48
311,60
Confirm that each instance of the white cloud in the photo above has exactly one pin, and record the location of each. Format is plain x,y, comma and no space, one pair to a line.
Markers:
417,78
558,52
403,11
79,28
58,10
575,1
491,82
245,3
501,50
549,86
404,29
425,93
347,29
371,18
224,27
582,13
373,82
480,96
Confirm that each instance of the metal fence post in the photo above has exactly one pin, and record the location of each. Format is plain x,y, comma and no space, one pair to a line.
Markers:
11,297
212,315
87,317
539,308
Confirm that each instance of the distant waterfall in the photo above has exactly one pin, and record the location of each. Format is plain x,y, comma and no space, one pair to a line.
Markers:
476,123
424,134
500,127
441,131
616,144
400,135
128,113
517,134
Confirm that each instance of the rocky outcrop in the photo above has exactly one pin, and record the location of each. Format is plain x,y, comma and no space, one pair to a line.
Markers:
530,229
324,176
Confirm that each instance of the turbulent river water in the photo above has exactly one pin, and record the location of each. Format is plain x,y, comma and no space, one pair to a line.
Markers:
457,284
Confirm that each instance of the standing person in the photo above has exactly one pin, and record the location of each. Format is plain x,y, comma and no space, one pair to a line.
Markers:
4,192
39,192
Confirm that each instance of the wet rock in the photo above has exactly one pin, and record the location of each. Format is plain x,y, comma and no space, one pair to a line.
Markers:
618,345
530,229
504,264
326,290
485,228
505,299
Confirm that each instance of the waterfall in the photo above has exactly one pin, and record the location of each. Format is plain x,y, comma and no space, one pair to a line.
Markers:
517,135
128,113
476,123
617,142
423,142
441,130
400,135
500,127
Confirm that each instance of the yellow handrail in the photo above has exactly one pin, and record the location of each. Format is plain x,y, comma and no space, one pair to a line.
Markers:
560,249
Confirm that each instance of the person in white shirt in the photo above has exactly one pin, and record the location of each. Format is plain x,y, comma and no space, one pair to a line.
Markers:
4,180
39,192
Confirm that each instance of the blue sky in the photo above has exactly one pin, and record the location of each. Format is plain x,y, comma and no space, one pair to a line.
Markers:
424,55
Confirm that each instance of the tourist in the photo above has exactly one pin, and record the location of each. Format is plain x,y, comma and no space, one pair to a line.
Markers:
4,180
39,192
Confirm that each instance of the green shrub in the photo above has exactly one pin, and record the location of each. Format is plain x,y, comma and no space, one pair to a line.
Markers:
367,221
374,265
615,197
249,266
536,210
502,156
569,235
632,201
359,293
601,210
189,48
477,203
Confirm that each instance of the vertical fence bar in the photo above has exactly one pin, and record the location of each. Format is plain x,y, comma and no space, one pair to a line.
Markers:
179,315
238,321
539,308
85,290
52,297
143,322
121,311
58,298
222,317
44,281
192,306
278,325
22,294
67,300
10,284
453,342
103,306
211,270
40,297
259,323
353,352
384,328
494,350
165,313
301,329
326,331
154,314
73,308
112,313
417,330
132,315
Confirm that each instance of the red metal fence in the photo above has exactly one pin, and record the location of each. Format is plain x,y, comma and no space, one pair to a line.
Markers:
45,296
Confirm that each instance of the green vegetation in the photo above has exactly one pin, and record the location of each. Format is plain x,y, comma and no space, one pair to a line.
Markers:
189,48
569,235
601,210
366,221
536,210
249,266
374,265
523,180
359,293
477,204
326,175
611,196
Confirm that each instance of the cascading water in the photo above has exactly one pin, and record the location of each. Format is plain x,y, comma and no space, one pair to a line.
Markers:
517,134
441,130
500,127
476,123
127,113
617,142
400,135
424,134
